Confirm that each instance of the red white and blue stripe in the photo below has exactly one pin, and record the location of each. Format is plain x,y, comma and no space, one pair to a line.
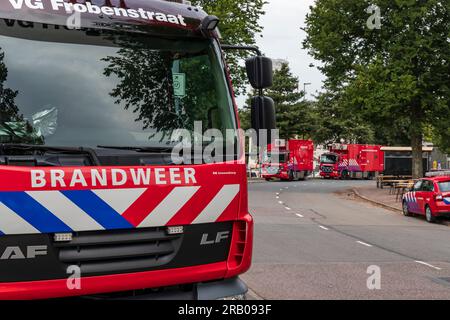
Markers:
411,200
35,212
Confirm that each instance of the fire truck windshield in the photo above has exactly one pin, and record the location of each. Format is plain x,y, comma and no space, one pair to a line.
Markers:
328,159
276,157
93,89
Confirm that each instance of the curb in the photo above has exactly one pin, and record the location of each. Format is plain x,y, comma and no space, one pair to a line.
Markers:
252,295
386,206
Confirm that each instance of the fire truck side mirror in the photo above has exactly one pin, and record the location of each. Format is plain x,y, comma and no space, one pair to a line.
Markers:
260,72
263,115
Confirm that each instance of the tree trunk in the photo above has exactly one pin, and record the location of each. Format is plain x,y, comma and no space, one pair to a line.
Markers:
417,154
416,134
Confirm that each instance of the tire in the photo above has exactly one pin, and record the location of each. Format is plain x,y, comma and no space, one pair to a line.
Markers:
291,175
344,175
429,215
302,176
406,212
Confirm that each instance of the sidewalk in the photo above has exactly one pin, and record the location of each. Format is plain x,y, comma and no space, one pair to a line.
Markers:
379,197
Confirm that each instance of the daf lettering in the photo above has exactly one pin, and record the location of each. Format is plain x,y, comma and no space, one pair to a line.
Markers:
30,252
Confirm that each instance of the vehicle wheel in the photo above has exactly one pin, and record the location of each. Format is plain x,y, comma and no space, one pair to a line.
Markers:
302,176
429,215
344,175
406,212
291,175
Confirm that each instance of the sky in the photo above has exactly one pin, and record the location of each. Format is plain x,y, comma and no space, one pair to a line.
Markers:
282,39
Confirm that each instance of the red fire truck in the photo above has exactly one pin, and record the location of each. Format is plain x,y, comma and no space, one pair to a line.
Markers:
352,161
92,202
291,160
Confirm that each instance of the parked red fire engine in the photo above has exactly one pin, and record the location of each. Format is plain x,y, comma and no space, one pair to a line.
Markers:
345,161
89,189
291,160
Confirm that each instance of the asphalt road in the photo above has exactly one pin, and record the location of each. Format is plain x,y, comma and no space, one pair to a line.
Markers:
311,243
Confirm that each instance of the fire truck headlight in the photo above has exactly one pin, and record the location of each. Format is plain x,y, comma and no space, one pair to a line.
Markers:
175,230
62,237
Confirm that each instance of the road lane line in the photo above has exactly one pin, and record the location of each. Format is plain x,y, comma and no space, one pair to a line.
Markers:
299,215
288,209
280,202
324,228
364,244
428,265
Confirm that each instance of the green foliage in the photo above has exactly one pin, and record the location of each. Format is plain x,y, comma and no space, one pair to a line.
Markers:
396,79
294,117
239,25
333,122
291,113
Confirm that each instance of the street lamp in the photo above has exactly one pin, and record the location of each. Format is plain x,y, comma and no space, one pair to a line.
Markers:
304,88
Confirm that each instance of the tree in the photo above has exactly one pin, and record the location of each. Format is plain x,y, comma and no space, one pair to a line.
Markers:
334,123
395,77
239,25
286,96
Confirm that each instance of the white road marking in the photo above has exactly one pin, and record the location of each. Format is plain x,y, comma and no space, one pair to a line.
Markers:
364,244
299,215
324,228
428,265
278,197
280,202
288,209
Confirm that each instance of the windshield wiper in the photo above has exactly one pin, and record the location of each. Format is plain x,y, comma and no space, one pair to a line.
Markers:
65,150
139,149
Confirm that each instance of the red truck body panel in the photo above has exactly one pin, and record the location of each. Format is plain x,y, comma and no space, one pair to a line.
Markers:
352,158
296,157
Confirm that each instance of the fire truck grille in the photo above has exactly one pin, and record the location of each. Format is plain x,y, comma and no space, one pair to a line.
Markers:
119,251
327,169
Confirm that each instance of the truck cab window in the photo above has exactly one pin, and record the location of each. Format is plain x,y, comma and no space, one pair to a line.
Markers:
129,90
